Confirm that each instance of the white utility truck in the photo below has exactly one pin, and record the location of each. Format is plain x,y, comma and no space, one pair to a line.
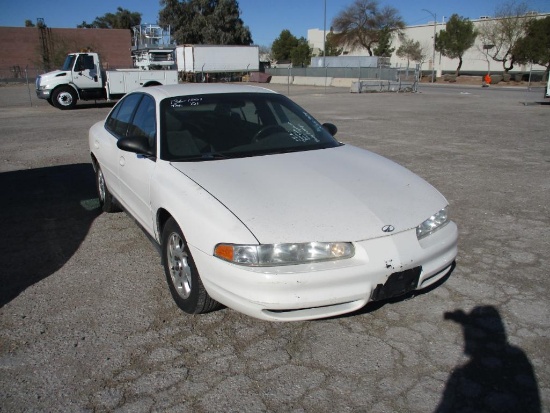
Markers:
82,77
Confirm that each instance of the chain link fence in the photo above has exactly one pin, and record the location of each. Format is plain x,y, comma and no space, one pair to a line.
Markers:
379,73
19,74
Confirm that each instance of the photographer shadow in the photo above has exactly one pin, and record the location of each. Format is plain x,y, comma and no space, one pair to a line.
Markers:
498,377
45,215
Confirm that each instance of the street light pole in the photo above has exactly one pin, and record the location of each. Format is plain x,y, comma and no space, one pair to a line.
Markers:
433,56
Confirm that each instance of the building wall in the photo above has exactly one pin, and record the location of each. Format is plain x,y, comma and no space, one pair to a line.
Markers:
474,59
21,46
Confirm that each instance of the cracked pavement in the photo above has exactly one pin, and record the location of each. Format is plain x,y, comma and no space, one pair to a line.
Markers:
88,324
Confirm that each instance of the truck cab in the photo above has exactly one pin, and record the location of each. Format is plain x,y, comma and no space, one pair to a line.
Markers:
80,77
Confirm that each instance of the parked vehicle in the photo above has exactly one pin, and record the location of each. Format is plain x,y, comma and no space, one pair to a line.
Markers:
201,58
82,78
255,205
547,93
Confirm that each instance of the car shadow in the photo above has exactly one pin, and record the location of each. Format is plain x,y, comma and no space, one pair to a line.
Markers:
46,214
498,377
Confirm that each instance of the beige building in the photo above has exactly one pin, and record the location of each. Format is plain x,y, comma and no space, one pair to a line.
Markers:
474,60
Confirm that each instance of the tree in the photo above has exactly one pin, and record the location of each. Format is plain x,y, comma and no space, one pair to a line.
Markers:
363,24
331,46
504,31
288,47
283,45
534,47
410,50
301,54
457,37
384,48
122,19
205,22
85,25
29,23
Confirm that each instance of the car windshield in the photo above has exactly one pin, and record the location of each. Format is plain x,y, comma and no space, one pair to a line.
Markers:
228,125
68,63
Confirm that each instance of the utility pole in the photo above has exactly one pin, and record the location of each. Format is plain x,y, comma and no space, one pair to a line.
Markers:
433,56
325,34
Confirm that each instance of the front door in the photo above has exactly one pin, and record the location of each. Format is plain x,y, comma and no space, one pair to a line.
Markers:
135,171
86,74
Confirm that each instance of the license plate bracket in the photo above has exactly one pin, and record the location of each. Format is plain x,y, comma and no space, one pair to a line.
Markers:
398,283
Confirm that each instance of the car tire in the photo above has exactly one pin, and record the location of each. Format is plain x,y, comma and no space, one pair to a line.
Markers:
50,101
106,200
64,98
181,273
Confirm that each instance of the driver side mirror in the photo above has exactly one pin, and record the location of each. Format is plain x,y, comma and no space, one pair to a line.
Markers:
331,128
136,144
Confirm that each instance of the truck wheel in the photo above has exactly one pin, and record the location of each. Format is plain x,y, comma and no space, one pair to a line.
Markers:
64,98
181,273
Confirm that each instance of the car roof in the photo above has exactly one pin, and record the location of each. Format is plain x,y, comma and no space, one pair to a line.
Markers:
162,92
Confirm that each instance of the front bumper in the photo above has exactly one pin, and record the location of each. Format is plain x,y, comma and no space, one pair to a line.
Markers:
43,94
319,290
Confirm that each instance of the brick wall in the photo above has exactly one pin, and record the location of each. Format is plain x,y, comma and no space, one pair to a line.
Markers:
21,46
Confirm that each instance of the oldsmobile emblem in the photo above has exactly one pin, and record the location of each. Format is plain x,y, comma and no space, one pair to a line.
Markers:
388,228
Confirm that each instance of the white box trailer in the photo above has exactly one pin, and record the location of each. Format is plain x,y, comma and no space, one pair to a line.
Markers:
217,58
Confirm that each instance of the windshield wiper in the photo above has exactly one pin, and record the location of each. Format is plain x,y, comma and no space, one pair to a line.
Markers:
300,148
209,156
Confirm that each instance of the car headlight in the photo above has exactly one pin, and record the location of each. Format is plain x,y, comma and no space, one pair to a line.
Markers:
284,254
433,223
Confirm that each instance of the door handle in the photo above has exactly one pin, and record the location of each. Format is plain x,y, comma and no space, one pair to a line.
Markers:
122,161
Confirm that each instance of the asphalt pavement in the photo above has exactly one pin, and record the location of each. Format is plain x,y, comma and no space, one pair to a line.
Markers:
87,323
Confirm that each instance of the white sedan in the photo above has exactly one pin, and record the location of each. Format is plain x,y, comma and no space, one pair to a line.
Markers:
255,205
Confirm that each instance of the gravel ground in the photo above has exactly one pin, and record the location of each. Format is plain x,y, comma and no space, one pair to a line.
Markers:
87,323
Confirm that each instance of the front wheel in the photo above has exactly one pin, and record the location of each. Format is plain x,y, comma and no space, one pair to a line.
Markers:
106,200
181,273
64,97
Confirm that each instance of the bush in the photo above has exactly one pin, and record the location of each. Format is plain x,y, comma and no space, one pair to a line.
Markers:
506,77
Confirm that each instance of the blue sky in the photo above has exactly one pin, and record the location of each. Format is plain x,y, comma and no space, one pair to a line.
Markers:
265,18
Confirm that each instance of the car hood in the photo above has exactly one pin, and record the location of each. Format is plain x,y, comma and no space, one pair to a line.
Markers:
337,194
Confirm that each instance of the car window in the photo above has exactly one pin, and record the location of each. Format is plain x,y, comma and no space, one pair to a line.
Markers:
293,122
214,126
120,117
85,62
144,122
